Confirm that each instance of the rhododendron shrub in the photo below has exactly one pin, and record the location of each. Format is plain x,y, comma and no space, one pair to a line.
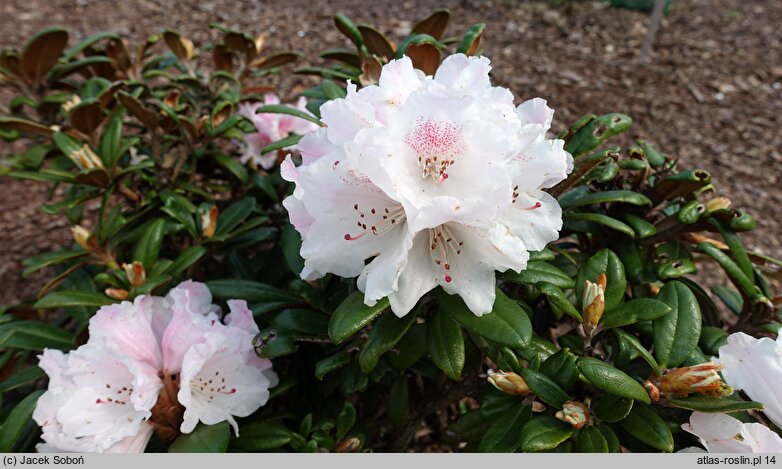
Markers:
408,256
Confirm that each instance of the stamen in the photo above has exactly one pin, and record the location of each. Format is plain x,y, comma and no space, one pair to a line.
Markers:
531,208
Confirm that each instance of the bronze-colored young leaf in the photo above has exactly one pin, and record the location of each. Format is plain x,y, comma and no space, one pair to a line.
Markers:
118,52
370,71
87,116
41,53
425,57
134,106
181,46
471,40
434,25
275,60
376,42
22,125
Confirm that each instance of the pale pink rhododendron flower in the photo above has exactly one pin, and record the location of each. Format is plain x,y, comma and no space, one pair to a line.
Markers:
161,364
270,127
755,367
434,180
720,433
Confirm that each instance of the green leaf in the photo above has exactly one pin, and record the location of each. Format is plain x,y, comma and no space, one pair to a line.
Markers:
16,421
110,143
24,377
713,404
642,228
262,436
34,335
640,309
543,433
712,338
204,439
590,440
502,436
471,40
286,142
349,29
46,175
40,261
470,427
345,420
540,272
281,109
184,261
290,243
676,334
730,297
596,131
67,299
233,166
612,408
620,196
645,425
410,348
729,266
385,333
606,262
604,220
399,402
252,292
561,367
181,210
303,321
545,388
614,446
606,377
633,342
331,363
148,246
352,315
234,215
558,299
446,344
507,324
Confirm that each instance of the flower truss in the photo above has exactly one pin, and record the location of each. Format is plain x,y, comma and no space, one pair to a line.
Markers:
755,367
156,364
721,433
422,181
270,127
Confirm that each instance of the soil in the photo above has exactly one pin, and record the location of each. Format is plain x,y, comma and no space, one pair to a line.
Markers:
711,95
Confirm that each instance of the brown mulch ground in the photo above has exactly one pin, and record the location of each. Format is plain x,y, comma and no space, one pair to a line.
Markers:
712,95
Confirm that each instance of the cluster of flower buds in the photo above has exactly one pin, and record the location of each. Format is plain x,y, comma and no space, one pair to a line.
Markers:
575,413
156,365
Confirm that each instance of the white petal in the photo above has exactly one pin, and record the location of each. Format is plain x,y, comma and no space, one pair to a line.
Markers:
536,227
136,443
542,164
464,74
127,328
346,116
721,433
417,277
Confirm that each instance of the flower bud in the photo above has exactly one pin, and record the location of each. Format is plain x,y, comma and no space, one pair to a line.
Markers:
574,413
136,273
348,445
82,236
508,382
71,103
85,158
651,389
718,203
696,238
116,293
593,301
209,222
701,379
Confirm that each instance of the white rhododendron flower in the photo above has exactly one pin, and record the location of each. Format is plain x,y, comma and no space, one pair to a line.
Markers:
270,127
151,363
755,367
720,433
433,180
97,398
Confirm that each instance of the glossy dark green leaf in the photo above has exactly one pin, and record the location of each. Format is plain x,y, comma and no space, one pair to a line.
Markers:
286,142
645,425
545,388
558,299
640,309
204,439
614,446
596,131
470,427
713,404
66,299
540,272
561,367
349,29
399,402
496,403
502,436
17,420
282,109
612,408
621,196
148,246
590,440
604,220
262,436
676,334
606,377
252,292
410,348
345,420
712,338
730,297
642,228
384,335
606,262
632,342
40,261
235,214
471,40
445,344
507,324
302,321
331,363
185,260
352,315
681,183
544,433
23,378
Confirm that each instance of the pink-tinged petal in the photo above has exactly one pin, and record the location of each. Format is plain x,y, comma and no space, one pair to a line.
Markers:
241,318
345,117
270,98
535,117
416,279
535,218
136,443
288,170
721,433
127,328
463,74
218,384
195,296
315,145
184,331
755,366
